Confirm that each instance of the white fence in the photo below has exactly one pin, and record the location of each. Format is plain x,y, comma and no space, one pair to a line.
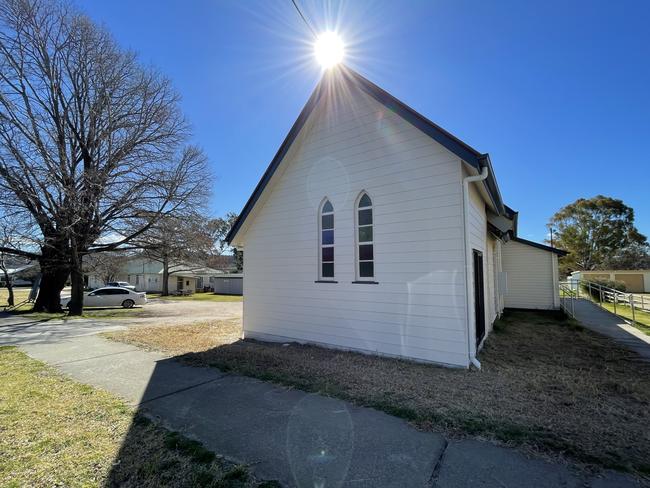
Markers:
599,294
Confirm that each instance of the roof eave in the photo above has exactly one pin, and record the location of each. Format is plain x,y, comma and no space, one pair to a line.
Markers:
543,247
449,141
277,159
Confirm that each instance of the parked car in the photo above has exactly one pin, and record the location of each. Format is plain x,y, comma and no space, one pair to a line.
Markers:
110,296
121,284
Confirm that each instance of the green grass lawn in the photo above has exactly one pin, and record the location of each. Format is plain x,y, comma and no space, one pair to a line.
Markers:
642,319
57,432
202,297
20,295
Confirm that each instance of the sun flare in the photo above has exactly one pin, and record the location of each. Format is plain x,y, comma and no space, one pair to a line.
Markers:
329,49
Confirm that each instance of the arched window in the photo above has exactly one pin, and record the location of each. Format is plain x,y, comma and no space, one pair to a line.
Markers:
326,238
365,247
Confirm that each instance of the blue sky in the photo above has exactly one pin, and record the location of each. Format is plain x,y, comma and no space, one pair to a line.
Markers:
557,92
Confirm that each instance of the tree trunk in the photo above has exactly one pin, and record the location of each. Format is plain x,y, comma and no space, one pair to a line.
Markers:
165,278
77,281
49,294
10,288
55,270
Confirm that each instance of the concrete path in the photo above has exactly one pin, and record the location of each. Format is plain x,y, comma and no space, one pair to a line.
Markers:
19,329
606,323
300,439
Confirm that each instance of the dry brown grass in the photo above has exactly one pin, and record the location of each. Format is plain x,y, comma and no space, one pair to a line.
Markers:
181,339
546,384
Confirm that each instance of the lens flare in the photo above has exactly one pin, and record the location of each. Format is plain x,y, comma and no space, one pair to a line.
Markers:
329,49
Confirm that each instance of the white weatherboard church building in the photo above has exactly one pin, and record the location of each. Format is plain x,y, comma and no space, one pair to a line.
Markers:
375,230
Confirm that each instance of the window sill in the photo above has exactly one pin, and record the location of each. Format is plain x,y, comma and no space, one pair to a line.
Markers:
365,282
325,281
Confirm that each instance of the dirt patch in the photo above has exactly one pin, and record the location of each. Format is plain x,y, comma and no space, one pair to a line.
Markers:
546,385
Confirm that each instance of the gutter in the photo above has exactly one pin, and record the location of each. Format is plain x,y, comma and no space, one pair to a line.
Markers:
471,343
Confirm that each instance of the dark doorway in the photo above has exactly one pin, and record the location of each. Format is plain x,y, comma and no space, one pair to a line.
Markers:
479,297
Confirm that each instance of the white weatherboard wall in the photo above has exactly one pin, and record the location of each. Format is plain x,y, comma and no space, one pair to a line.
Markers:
417,309
480,240
532,277
477,240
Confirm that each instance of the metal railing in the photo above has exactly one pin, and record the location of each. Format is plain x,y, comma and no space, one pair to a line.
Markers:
568,299
599,294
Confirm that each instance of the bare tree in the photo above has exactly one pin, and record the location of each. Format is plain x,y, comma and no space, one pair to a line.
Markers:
92,144
4,268
180,244
9,238
105,265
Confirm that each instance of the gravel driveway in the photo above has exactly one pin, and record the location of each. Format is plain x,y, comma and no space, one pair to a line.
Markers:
170,312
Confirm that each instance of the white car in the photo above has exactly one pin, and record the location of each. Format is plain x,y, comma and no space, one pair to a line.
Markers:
122,284
110,296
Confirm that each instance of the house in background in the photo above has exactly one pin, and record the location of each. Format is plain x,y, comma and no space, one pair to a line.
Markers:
375,230
147,275
636,281
20,274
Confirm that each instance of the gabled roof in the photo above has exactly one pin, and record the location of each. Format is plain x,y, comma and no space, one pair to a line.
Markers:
450,142
559,252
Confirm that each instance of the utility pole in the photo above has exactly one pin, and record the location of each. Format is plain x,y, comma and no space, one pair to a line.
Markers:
551,229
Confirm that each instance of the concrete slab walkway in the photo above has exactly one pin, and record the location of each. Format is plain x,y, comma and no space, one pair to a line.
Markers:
300,439
21,329
612,326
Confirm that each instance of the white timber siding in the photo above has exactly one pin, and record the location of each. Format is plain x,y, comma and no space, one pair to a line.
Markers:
418,308
478,239
494,301
532,277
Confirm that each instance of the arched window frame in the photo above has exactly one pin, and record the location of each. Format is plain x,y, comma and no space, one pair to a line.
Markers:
326,226
364,239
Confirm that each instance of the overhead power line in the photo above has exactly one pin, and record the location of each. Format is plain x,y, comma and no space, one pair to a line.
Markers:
304,19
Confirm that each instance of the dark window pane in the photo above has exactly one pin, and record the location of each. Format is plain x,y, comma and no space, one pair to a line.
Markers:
328,254
367,269
365,234
365,252
327,221
365,201
365,217
101,292
328,270
328,237
328,207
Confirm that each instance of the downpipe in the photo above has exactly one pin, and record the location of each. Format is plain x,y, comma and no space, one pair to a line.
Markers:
471,344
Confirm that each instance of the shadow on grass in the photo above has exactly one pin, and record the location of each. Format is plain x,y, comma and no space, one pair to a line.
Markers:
246,419
297,438
536,366
151,456
547,384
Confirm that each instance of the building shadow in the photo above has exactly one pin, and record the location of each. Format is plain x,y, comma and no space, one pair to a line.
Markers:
292,437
